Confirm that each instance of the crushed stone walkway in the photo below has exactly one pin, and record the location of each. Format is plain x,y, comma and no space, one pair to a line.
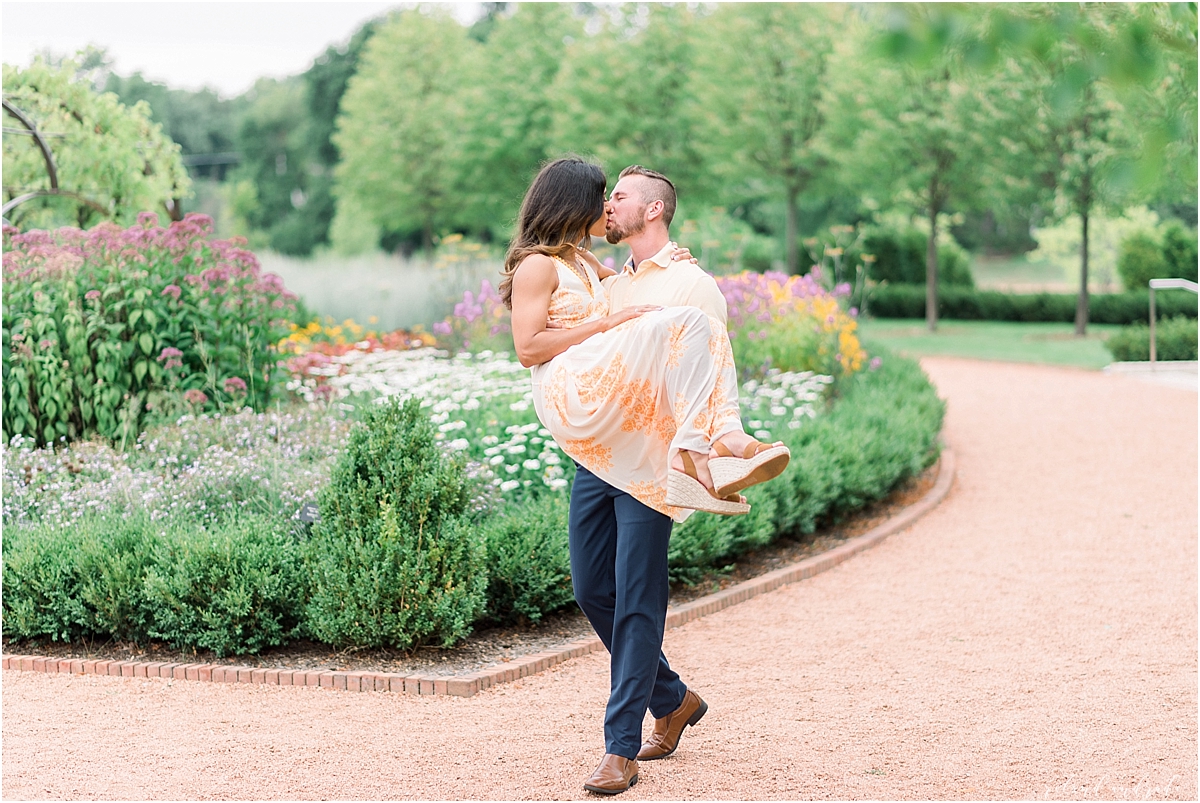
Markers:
1032,637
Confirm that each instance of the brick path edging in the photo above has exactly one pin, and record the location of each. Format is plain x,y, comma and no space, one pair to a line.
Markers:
470,684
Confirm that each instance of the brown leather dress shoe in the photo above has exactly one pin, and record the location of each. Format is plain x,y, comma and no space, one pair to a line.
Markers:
668,729
614,775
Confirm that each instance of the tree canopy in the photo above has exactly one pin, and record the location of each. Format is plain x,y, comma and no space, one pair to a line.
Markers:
110,161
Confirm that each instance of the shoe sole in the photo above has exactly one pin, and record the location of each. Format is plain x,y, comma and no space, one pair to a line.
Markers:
733,474
597,790
683,491
692,720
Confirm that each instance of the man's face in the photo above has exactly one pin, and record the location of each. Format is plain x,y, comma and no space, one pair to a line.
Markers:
626,211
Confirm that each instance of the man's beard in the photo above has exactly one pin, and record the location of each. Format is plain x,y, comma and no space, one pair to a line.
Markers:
617,234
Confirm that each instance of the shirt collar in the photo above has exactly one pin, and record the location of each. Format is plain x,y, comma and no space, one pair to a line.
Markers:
662,259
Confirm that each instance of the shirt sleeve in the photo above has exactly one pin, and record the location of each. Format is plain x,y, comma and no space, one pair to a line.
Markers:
707,296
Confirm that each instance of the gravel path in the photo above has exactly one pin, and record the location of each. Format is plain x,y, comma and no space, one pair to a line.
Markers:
1034,636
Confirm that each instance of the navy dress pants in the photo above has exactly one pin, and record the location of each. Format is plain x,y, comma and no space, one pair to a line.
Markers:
619,575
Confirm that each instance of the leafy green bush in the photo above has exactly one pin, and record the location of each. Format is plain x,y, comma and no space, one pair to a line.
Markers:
900,257
100,325
236,590
1140,260
67,583
394,561
1179,250
528,560
1174,339
908,301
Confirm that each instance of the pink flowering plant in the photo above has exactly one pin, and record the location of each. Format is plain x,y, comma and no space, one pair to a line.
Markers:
102,326
480,322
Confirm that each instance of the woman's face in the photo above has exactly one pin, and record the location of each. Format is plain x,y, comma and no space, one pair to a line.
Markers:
600,227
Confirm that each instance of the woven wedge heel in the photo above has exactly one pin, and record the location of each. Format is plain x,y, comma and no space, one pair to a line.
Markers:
759,463
684,489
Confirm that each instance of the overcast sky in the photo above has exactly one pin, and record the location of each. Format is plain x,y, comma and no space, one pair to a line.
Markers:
188,45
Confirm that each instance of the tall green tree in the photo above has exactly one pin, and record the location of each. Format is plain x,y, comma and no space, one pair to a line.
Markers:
109,161
764,77
512,104
201,121
272,182
401,127
624,94
1082,69
919,135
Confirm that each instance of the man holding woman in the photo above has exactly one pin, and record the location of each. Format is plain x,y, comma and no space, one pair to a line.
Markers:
638,386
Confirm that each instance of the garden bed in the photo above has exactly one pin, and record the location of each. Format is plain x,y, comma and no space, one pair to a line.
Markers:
497,645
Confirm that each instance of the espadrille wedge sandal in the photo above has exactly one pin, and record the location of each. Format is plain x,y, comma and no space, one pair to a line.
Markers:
760,462
684,489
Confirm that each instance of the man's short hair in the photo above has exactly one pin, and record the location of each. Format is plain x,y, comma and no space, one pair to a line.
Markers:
658,188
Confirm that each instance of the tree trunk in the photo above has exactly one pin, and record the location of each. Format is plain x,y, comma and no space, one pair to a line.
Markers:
931,261
1081,306
427,241
793,214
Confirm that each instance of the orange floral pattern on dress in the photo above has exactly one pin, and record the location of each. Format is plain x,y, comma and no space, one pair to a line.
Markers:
597,384
617,402
652,495
665,428
675,344
554,392
592,455
639,405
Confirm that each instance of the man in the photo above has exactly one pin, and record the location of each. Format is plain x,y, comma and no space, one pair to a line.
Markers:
640,211
618,545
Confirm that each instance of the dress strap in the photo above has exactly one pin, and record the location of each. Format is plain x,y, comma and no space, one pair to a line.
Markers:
583,275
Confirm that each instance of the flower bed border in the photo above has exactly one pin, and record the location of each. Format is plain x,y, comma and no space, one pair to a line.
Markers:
470,684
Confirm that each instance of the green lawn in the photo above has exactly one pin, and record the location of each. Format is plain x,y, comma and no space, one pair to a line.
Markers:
1048,343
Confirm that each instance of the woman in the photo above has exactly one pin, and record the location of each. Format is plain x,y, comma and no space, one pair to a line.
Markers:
645,398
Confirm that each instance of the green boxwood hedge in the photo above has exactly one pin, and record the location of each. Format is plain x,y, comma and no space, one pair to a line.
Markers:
908,301
247,582
1175,339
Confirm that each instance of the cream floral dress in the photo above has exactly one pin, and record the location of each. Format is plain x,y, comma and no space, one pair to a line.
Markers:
622,402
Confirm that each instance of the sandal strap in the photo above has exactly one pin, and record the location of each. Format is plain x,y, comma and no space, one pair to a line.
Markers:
753,448
689,467
722,450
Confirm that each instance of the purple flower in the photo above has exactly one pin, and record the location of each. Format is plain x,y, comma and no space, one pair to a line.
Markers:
876,362
172,290
235,386
92,295
442,328
194,396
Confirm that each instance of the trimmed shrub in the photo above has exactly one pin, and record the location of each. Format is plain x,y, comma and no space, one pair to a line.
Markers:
233,591
394,561
1140,260
68,583
99,326
900,257
1174,339
908,301
529,564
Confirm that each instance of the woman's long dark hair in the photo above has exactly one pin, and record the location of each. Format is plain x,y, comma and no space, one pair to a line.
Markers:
562,203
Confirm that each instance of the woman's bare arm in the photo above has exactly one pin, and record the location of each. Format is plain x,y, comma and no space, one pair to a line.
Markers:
534,281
